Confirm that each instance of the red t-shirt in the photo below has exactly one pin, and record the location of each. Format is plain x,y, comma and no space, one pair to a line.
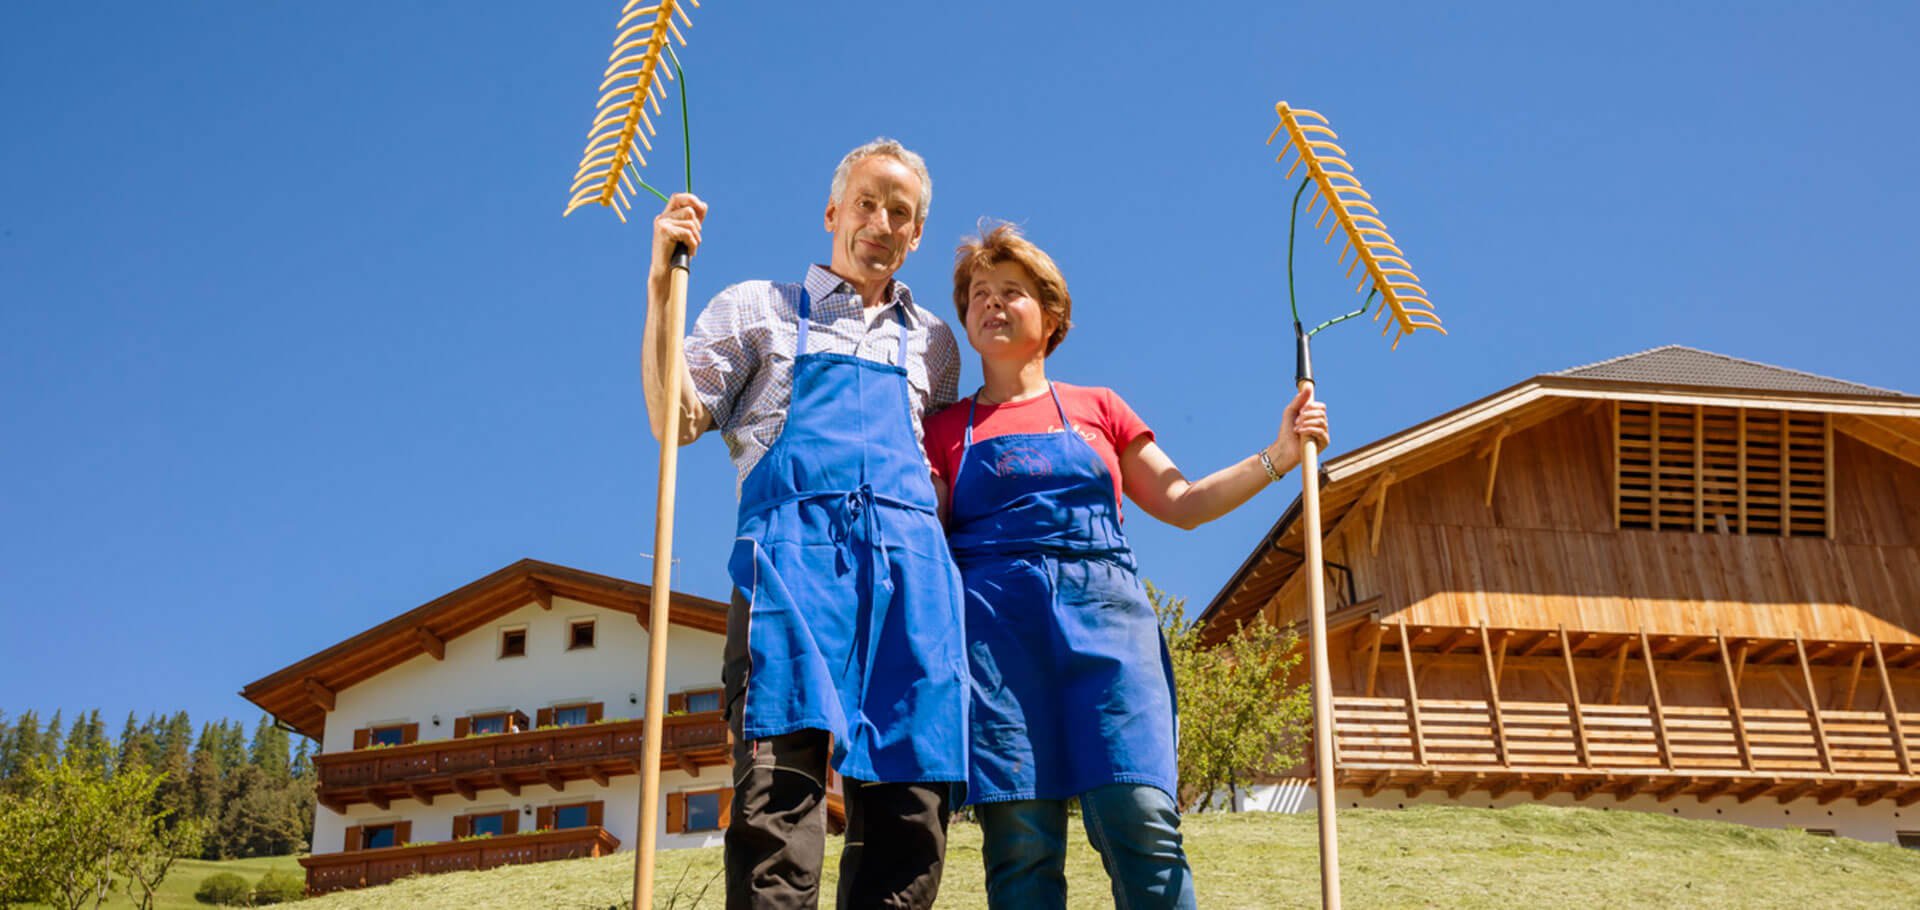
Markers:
1099,415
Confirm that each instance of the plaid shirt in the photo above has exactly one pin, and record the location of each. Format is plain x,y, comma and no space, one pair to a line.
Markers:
741,350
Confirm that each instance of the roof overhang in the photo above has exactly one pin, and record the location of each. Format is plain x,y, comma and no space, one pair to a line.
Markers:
300,695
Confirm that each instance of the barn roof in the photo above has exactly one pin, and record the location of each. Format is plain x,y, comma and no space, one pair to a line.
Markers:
1679,365
301,694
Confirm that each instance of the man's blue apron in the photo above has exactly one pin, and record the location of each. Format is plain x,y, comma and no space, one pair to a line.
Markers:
854,620
1072,685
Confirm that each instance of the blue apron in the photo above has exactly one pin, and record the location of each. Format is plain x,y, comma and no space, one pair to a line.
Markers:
854,618
1072,685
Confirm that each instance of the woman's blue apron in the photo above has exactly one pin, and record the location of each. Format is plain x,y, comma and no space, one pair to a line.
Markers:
854,618
1072,685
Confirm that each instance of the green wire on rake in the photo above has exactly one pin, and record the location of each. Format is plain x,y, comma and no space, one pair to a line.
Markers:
610,166
1293,222
686,131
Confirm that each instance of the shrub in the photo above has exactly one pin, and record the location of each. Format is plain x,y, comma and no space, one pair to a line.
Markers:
225,889
279,886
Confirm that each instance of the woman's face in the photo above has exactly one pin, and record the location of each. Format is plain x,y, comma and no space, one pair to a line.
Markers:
1004,318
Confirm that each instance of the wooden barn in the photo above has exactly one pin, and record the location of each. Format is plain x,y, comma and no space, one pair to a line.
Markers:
1674,581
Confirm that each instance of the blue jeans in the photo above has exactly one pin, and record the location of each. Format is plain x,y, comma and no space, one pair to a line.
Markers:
1136,829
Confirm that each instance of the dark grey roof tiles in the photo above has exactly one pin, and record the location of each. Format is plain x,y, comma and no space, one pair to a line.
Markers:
1678,365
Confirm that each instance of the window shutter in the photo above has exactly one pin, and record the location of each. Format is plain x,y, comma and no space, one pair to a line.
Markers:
409,734
402,834
543,818
726,807
676,813
360,737
596,813
520,724
545,717
512,825
462,726
353,839
462,826
594,712
676,702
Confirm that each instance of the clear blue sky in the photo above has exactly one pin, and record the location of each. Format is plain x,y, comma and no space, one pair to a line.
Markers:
293,338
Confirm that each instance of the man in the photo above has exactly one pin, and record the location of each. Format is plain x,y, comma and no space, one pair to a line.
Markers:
843,635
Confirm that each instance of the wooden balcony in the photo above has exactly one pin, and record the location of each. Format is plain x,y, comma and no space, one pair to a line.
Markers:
1710,745
554,756
365,868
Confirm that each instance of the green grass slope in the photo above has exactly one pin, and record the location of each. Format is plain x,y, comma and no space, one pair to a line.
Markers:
176,893
1530,856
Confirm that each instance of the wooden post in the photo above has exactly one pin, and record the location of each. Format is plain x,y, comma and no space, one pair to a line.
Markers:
1733,701
1740,424
1619,671
1573,701
1373,656
1739,665
1853,679
1616,465
1786,483
1813,702
1659,709
1826,421
1653,436
1493,695
673,328
1699,470
1322,675
1413,697
1893,709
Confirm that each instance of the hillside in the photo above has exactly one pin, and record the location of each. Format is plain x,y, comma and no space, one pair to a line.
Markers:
1531,856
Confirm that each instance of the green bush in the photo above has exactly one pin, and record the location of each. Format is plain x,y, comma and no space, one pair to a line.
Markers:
225,889
279,886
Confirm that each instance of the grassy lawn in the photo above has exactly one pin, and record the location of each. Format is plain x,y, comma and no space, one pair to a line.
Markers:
176,893
1529,856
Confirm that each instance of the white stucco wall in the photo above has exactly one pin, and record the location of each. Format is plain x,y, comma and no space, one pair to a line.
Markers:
1877,822
474,679
620,816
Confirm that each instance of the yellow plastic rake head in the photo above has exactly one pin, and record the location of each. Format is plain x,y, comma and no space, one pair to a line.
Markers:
635,71
1339,190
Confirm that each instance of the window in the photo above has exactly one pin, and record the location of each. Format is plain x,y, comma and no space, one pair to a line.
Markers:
1820,832
570,717
373,837
695,701
513,642
1722,470
495,824
570,816
701,810
579,634
492,723
1908,839
387,736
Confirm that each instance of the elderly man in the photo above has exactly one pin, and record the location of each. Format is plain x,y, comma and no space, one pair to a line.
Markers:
844,634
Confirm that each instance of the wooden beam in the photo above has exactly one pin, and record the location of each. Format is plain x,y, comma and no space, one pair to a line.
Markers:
379,799
1504,785
1379,782
1892,708
1419,785
1813,705
317,693
1586,788
1673,790
543,596
1882,436
1373,657
1627,787
1714,789
1699,475
1547,784
1492,454
1616,465
466,789
1573,702
1703,646
554,780
1875,794
1792,689
1826,431
431,643
1456,640
1908,798
1786,478
1834,792
1768,652
686,763
1739,664
1533,647
1796,791
1853,679
1732,681
1465,784
1379,522
1493,695
1659,710
1653,461
506,783
1740,424
1619,671
422,794
1821,652
1413,698
597,774
1757,790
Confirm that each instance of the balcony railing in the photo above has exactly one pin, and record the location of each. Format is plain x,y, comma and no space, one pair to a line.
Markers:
366,868
509,761
1668,749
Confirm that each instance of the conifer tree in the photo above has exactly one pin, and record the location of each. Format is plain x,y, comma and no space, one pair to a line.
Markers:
131,753
174,796
48,744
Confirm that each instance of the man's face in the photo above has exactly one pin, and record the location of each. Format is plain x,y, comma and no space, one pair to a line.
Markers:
876,222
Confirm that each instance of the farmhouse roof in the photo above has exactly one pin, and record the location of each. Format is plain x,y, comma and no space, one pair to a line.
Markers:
1675,364
300,695
1672,374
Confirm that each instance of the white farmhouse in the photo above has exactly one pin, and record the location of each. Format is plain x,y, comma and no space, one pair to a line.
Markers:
503,723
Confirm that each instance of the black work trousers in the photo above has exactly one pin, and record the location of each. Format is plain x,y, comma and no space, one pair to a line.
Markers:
776,833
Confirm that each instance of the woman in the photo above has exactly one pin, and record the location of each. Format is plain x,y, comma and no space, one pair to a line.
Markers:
1072,689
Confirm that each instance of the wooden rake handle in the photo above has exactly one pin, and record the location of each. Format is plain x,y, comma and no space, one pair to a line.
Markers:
1317,641
673,327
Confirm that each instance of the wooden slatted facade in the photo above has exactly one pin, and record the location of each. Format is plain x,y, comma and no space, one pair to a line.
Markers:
1578,587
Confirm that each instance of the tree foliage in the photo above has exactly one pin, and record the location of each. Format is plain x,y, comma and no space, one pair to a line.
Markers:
1241,717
